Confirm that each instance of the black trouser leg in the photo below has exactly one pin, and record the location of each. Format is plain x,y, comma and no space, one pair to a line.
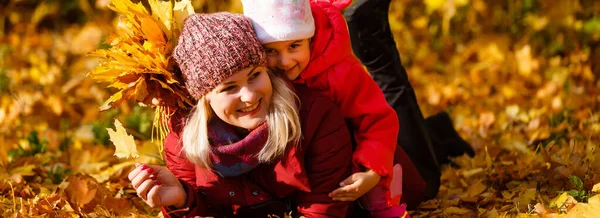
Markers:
373,44
445,139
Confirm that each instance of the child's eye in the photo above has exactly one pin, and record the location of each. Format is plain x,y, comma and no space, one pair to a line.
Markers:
294,46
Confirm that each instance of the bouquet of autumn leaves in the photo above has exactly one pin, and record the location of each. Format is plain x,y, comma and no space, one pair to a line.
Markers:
138,63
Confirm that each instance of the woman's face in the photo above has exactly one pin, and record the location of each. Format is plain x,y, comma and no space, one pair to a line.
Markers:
243,99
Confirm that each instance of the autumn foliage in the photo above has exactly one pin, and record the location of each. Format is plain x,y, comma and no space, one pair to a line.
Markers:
519,78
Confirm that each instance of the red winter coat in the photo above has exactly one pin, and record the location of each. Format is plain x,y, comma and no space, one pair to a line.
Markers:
306,174
337,73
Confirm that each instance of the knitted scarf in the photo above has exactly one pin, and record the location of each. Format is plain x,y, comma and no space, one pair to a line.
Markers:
235,152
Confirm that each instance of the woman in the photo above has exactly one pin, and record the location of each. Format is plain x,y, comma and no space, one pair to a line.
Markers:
250,147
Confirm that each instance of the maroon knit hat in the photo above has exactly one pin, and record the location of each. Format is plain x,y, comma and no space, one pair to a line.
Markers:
212,47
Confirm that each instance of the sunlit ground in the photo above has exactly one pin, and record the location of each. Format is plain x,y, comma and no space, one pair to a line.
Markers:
520,80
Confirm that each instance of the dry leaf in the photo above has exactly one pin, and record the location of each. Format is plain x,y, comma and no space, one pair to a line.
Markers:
81,190
476,189
125,146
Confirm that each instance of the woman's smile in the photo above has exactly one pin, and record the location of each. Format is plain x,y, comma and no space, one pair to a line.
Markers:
250,110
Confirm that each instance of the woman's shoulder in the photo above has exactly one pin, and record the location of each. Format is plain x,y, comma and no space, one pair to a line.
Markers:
310,97
177,119
317,112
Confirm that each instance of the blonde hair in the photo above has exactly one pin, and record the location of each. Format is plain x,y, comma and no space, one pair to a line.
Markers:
283,125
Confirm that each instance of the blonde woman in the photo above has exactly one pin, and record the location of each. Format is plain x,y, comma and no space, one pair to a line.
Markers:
254,145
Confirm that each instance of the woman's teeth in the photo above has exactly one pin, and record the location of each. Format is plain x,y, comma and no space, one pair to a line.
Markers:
248,109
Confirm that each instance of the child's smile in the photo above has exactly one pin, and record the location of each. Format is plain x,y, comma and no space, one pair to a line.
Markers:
290,57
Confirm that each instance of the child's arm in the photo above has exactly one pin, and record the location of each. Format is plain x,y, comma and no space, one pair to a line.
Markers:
375,123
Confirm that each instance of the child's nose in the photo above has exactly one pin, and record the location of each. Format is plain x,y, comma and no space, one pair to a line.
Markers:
285,62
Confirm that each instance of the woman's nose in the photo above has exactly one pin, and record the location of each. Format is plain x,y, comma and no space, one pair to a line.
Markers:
247,94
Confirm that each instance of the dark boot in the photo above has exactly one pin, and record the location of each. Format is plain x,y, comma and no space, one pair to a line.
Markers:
446,141
373,44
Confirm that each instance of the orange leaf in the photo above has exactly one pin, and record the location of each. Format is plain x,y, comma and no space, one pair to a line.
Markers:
152,31
81,190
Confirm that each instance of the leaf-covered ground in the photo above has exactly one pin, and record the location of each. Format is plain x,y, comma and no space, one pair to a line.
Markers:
519,78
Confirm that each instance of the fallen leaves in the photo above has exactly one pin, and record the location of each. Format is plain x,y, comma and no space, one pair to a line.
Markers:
525,108
520,83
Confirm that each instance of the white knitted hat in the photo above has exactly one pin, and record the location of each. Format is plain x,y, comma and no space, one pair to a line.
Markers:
280,20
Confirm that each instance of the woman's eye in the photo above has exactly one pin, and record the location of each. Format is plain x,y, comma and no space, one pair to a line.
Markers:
228,88
254,75
270,51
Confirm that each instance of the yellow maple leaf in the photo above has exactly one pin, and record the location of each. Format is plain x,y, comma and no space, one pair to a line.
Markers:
124,144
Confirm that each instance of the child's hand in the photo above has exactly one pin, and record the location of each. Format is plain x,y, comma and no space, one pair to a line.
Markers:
355,186
157,186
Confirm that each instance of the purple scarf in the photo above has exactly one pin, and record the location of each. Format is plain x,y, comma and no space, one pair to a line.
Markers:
235,153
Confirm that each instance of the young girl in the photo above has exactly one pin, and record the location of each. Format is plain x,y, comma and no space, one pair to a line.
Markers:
310,44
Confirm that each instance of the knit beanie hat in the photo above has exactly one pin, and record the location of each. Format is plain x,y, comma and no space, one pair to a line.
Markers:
212,47
280,20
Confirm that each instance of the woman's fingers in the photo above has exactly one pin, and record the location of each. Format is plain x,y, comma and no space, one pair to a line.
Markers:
144,174
144,179
143,189
134,172
153,199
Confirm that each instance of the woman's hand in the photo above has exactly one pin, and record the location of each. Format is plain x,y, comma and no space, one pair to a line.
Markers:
355,186
157,186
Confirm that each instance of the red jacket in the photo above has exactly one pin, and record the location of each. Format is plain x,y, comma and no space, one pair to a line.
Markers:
337,73
306,174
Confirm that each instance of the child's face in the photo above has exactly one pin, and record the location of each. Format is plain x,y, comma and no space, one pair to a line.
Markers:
290,57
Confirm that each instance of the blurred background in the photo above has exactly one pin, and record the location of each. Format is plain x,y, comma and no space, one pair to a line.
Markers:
519,78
